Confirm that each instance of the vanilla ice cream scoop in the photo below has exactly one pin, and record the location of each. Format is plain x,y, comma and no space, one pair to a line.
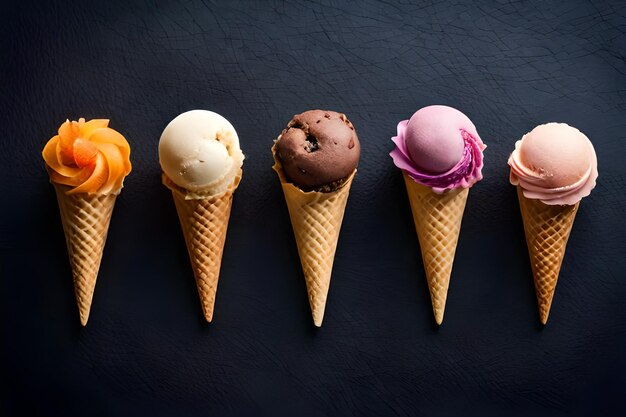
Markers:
199,151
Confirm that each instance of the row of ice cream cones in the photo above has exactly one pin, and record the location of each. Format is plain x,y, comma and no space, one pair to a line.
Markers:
316,212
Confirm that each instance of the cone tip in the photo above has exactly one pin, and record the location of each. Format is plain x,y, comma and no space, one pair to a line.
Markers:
544,311
438,316
83,314
207,307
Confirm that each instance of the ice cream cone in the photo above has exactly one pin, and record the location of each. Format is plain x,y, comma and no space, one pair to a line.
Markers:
204,222
547,229
316,219
437,220
87,162
85,220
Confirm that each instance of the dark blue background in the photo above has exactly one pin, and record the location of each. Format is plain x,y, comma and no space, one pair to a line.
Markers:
508,65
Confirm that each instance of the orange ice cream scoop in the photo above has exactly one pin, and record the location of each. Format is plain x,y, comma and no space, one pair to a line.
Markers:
89,156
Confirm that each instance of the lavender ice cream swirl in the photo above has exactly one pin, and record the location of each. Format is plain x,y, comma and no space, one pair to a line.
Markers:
438,136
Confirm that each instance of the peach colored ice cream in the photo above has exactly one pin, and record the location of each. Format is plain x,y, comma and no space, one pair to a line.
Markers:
554,163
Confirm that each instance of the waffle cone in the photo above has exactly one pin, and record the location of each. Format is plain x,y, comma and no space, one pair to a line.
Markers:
204,222
85,221
547,230
437,219
316,219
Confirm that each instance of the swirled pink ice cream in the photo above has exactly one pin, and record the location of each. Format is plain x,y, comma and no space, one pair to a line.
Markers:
440,148
554,163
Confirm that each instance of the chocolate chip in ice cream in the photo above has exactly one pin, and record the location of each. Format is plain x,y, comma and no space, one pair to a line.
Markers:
318,150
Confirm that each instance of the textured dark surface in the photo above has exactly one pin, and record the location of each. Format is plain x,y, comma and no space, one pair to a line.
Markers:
147,349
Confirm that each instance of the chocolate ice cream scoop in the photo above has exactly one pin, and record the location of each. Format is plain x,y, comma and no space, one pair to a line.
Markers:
318,150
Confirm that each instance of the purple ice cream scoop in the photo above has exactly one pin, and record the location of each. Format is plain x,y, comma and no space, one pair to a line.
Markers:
439,147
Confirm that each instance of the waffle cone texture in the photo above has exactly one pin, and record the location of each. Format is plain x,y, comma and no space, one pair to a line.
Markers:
85,219
547,229
204,222
437,219
316,219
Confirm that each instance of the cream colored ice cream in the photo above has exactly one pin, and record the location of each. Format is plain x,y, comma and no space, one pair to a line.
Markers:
199,151
202,165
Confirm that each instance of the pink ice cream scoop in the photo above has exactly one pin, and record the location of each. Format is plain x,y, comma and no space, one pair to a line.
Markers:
439,147
554,163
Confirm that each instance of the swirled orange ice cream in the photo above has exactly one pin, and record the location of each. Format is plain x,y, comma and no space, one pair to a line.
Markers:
89,156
